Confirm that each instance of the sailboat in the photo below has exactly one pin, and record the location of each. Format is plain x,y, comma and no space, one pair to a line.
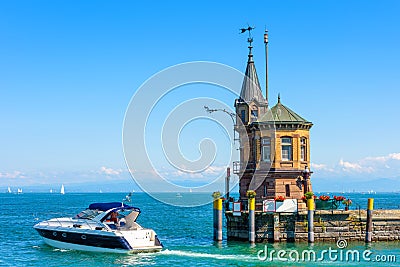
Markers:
62,190
9,190
19,191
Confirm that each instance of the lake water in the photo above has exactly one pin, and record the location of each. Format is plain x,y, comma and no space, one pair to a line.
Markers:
186,234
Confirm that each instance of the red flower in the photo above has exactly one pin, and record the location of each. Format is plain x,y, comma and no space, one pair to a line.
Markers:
324,198
339,198
279,198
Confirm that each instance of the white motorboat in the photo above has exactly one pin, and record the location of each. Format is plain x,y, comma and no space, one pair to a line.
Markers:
103,227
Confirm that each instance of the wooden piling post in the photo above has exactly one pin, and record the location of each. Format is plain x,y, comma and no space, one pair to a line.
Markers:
368,232
252,220
310,207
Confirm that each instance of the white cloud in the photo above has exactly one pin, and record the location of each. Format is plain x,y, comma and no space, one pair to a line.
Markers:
375,166
12,175
317,166
215,170
391,156
395,156
210,172
110,171
321,167
349,166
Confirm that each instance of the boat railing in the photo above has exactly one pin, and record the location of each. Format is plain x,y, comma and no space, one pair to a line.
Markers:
71,223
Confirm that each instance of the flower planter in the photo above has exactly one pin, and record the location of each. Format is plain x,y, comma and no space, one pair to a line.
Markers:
326,204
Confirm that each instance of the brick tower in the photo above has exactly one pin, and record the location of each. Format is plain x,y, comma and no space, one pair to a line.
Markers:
274,142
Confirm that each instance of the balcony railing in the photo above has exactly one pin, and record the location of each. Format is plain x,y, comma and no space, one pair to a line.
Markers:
240,167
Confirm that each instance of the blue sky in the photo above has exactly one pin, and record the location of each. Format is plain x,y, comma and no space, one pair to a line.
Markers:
68,70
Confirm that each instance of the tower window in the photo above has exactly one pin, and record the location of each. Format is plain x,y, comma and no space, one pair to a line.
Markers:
287,190
303,149
266,149
286,143
254,113
243,115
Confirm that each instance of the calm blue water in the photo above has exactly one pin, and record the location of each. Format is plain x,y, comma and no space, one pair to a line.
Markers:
185,232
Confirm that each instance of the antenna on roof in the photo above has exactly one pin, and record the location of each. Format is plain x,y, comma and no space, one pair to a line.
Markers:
266,63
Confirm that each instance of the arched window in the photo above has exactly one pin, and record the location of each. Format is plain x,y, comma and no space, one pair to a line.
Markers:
303,149
286,143
266,149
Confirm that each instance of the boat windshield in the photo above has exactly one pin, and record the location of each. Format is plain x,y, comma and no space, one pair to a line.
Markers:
87,214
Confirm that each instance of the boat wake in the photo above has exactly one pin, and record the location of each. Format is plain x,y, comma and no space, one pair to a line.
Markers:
61,250
208,255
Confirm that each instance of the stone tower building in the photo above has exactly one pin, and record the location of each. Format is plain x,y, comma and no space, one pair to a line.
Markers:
274,142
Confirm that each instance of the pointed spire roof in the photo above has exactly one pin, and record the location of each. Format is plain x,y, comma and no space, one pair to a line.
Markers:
251,89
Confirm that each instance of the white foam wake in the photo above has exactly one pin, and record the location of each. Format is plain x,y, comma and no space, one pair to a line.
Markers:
208,255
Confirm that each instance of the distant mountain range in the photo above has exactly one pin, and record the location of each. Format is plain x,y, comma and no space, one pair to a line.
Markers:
350,185
319,185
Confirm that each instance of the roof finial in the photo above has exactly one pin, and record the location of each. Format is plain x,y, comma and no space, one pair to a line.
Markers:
279,98
249,40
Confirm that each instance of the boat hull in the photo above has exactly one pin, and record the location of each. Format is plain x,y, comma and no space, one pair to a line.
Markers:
85,241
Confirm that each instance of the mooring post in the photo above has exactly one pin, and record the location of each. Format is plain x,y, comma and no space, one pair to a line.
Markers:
219,219
215,219
227,180
370,208
252,220
310,207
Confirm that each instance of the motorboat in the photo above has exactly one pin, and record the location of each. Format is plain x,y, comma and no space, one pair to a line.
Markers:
102,227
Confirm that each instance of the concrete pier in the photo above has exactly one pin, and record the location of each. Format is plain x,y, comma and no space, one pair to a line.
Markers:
329,226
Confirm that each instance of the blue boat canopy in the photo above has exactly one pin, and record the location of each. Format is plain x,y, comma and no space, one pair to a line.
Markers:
111,205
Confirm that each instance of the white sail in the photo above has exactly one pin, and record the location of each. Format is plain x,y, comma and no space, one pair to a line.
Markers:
62,191
19,191
8,190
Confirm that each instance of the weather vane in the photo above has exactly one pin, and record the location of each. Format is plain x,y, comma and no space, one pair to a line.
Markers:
249,29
